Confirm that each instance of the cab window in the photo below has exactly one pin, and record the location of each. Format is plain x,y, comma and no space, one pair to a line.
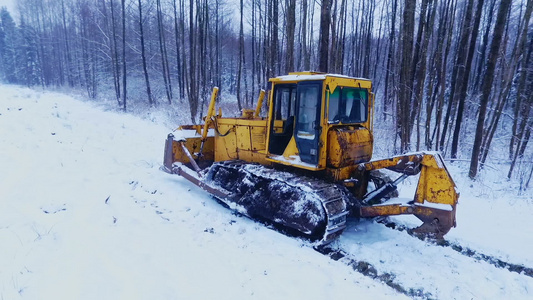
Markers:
309,102
348,105
284,97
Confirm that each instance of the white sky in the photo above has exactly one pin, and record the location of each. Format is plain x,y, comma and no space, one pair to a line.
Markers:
10,4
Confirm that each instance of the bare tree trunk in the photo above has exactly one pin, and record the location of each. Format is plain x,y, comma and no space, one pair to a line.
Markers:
305,54
163,51
241,55
70,80
325,20
484,43
217,46
389,68
487,83
178,50
529,178
192,78
464,78
333,38
368,39
116,66
275,29
520,50
436,75
522,142
291,25
86,49
380,38
458,71
404,98
524,91
419,72
124,81
184,81
202,24
342,43
312,46
143,56
516,112
253,48
450,13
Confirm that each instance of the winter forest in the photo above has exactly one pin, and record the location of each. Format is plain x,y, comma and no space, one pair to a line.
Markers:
449,75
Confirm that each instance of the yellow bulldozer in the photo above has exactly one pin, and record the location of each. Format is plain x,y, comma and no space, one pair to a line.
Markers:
307,166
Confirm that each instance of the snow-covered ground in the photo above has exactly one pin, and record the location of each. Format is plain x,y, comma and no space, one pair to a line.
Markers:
85,213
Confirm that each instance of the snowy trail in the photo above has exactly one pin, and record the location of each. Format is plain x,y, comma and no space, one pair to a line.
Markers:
85,213
520,268
439,271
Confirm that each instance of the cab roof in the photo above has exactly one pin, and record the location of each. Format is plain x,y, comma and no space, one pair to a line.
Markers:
309,75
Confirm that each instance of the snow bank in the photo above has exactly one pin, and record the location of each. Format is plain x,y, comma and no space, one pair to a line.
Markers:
85,213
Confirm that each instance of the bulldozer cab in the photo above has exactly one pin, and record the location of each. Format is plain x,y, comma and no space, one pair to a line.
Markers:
304,107
296,118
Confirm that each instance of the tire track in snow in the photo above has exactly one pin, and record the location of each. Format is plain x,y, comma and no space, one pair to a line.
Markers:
421,269
466,251
367,269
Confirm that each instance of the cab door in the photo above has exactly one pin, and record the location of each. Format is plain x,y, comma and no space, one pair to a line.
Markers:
308,125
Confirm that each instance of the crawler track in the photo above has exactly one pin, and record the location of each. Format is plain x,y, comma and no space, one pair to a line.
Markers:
310,206
512,267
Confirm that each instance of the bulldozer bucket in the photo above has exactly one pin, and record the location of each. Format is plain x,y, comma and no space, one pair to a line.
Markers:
435,199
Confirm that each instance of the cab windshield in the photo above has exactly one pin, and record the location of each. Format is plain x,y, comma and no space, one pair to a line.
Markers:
347,105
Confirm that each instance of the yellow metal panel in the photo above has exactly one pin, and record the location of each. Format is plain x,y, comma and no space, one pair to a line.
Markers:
436,184
339,174
323,139
259,103
401,209
193,145
278,126
260,157
348,146
385,210
210,112
243,138
291,150
370,123
258,134
401,160
333,82
225,146
245,155
242,122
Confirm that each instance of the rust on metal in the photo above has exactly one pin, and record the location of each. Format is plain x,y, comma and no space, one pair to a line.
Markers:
181,170
436,222
168,157
191,159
